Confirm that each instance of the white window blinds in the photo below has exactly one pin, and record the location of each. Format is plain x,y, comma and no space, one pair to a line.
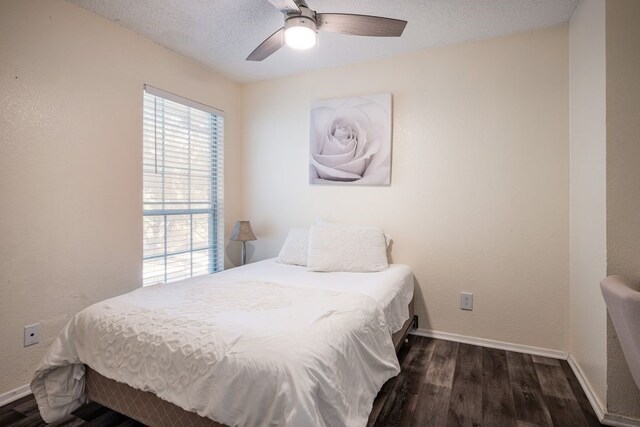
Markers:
183,188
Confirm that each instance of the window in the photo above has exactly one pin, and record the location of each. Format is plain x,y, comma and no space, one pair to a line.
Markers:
183,188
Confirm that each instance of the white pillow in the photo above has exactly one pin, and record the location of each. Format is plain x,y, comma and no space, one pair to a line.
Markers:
387,238
295,248
334,247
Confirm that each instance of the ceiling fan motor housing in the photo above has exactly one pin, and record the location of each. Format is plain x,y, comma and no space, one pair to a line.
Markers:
306,18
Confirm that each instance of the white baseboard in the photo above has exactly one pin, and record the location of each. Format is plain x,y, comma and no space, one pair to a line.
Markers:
619,420
606,418
593,398
484,342
14,394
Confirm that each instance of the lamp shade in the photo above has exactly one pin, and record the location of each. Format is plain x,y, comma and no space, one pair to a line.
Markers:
242,231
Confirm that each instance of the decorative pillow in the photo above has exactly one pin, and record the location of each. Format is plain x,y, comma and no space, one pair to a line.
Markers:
387,238
354,248
295,248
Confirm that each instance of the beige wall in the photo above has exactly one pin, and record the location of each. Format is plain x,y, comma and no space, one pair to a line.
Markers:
623,179
587,81
479,199
605,187
71,164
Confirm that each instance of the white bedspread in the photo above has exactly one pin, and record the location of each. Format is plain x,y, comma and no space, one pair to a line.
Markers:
392,288
240,350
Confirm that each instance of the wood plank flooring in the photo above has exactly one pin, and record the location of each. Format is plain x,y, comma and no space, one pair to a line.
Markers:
442,383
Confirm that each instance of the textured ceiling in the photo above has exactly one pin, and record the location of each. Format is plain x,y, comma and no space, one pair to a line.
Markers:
221,33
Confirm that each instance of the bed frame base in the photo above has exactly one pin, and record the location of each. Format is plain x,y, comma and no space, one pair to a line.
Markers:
149,409
142,406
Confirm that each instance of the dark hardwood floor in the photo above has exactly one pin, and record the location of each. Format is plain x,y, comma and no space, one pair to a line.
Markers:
442,383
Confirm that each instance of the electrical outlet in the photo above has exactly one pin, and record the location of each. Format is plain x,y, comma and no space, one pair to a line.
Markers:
31,334
466,301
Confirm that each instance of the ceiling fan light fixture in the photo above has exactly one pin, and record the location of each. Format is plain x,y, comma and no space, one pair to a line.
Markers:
302,24
300,33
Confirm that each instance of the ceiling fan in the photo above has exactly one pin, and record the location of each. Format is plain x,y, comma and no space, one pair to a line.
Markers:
301,25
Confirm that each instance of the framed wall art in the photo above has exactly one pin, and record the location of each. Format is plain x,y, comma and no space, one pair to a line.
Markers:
350,141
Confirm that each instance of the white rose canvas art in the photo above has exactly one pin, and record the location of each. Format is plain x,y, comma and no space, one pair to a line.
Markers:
350,141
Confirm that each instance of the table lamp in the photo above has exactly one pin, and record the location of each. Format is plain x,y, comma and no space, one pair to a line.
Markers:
242,232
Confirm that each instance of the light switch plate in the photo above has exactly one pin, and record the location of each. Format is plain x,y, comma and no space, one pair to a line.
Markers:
466,301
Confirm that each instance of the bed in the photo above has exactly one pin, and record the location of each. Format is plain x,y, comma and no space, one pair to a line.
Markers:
287,347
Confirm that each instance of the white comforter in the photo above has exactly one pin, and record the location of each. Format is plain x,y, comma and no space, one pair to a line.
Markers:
240,351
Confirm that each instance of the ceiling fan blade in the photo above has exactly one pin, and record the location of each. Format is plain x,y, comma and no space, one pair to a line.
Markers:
274,42
360,25
285,6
